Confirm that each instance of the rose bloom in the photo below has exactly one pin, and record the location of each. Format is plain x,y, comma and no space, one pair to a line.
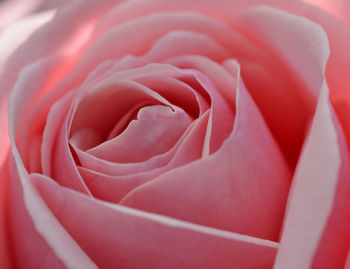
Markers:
176,134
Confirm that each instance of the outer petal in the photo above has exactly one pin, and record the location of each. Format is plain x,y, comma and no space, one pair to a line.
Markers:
38,46
29,213
36,238
301,47
118,237
316,233
10,40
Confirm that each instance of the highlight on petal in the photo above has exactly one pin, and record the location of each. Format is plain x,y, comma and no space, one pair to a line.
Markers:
315,232
10,40
12,10
30,214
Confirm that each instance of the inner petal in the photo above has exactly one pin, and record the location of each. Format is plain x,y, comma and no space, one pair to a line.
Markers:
156,130
105,105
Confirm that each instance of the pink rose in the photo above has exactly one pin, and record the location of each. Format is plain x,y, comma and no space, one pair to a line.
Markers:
177,134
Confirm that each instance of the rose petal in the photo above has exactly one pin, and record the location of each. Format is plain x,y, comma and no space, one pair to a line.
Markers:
137,44
35,82
10,40
178,93
31,216
315,232
302,46
55,147
156,128
148,240
34,228
220,86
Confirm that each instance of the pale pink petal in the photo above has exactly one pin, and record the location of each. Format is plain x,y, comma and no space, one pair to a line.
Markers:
247,176
315,233
220,86
138,41
339,61
32,83
113,187
97,110
178,93
221,117
155,130
338,79
55,147
223,12
177,43
34,229
32,224
126,238
188,148
12,10
39,45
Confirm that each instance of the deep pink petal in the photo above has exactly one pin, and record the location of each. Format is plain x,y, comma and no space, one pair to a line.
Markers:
6,257
338,8
301,48
315,233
